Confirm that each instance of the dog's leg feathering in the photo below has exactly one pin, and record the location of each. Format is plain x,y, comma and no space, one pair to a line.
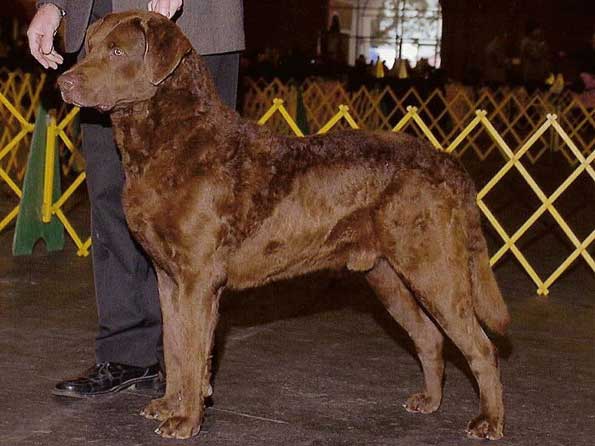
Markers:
427,338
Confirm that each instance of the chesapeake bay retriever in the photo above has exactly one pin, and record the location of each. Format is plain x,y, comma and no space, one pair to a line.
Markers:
219,202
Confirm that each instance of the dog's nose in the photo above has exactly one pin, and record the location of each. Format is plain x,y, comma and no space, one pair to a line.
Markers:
67,81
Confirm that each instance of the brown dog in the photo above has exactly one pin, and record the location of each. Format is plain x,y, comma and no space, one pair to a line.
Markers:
219,202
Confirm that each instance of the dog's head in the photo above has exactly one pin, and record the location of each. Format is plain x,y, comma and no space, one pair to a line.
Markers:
127,56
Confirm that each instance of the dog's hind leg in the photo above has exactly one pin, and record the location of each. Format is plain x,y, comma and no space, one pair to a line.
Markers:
433,260
427,338
165,407
192,329
451,306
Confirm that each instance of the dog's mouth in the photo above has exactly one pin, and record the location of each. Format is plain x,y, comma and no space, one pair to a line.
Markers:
71,99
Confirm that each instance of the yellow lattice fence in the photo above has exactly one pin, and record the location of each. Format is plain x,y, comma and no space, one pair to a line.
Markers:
22,91
514,113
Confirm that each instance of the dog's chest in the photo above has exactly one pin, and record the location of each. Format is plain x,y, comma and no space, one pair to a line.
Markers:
142,207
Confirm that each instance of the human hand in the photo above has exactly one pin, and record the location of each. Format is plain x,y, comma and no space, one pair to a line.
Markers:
165,7
41,34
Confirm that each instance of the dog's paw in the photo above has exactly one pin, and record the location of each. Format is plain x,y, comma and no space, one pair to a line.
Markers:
179,427
483,428
421,403
160,409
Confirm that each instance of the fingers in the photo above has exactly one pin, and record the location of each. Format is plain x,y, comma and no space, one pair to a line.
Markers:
39,50
159,7
172,9
175,6
35,48
168,8
36,52
162,7
40,36
47,43
54,59
48,53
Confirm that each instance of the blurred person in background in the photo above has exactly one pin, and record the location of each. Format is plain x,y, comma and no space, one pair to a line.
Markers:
587,74
535,64
496,62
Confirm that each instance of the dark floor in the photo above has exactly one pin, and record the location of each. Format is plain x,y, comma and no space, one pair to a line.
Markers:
314,361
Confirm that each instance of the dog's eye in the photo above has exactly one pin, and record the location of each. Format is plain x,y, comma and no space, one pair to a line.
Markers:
117,52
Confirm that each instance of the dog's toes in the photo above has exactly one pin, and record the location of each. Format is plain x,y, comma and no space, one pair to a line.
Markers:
158,409
483,428
421,403
179,427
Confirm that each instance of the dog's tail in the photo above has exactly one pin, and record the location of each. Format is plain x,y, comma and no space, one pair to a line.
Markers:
488,303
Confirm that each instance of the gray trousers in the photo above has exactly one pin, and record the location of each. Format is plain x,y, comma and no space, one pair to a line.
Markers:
128,308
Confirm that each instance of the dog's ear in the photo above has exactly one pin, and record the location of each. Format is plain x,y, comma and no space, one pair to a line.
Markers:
165,47
90,32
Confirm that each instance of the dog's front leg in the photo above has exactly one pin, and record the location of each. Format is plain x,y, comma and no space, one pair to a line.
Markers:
191,329
163,408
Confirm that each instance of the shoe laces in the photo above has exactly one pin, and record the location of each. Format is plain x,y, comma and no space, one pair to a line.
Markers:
102,370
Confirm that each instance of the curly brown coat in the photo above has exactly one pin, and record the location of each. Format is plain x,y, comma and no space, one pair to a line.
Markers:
218,201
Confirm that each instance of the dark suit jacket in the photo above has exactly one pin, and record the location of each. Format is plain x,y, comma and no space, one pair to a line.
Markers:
213,26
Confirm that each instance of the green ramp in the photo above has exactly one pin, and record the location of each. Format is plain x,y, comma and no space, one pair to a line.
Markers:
29,227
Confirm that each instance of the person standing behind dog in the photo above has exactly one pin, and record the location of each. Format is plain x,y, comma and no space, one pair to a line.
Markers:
534,59
128,345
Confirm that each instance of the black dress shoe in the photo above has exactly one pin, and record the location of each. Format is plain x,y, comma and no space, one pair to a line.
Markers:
107,377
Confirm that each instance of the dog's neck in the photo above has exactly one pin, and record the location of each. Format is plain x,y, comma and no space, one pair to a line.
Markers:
192,73
185,100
